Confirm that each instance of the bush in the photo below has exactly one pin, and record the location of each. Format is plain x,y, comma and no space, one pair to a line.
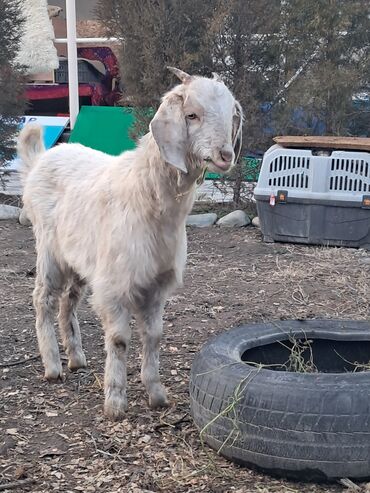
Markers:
12,101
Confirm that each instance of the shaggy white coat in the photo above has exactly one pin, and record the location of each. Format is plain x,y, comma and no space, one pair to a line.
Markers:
37,51
118,224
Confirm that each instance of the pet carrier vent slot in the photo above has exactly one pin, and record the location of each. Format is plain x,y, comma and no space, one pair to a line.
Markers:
349,175
289,172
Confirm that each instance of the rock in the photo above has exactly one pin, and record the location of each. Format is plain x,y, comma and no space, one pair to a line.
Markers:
201,220
9,212
23,218
256,222
235,219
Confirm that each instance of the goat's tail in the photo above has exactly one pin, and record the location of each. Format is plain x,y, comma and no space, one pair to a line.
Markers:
30,146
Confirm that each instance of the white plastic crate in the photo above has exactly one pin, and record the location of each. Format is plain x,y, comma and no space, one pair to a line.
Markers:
315,197
343,175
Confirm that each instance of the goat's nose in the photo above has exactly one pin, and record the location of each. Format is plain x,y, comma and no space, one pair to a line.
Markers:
227,153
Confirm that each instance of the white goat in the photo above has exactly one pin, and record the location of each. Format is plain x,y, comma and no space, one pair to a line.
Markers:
118,224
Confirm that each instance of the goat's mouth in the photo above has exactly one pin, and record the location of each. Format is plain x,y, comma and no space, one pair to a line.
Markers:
222,166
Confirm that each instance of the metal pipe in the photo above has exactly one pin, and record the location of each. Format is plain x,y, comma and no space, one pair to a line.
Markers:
72,61
88,40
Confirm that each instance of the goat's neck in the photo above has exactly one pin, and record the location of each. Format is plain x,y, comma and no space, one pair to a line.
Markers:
171,189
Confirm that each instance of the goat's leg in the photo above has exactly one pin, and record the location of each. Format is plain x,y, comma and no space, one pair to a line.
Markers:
149,318
117,339
49,284
69,326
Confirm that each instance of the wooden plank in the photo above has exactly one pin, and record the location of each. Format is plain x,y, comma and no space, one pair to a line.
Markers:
354,143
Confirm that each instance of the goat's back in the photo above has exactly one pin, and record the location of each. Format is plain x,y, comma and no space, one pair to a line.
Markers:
59,172
63,195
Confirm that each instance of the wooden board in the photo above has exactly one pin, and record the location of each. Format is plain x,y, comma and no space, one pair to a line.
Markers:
354,143
47,78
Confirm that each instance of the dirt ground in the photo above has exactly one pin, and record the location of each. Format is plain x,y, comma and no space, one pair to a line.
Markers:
56,437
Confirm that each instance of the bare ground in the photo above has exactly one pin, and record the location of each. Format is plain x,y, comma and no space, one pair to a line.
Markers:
55,438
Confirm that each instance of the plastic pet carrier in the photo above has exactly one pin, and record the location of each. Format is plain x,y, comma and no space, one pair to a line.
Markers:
316,197
87,73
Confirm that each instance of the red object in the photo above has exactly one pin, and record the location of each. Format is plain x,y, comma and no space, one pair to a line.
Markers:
102,93
37,92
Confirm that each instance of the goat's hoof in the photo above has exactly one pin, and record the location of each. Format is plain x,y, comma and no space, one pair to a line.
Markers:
54,376
115,407
77,361
158,398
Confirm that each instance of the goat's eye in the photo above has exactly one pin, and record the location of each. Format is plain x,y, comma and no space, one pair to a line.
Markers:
192,116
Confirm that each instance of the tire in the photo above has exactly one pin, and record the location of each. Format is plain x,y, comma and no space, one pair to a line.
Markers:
310,426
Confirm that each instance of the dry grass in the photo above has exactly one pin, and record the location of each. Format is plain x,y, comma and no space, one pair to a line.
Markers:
356,365
297,362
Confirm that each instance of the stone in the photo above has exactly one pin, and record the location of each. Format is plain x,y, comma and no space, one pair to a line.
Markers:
9,212
201,220
256,222
235,219
23,218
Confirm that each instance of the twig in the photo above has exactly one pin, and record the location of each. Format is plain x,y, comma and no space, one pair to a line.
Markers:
16,484
356,364
103,452
350,484
20,362
175,424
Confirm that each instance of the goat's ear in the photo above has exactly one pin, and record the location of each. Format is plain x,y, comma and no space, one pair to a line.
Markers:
168,128
237,130
217,77
183,76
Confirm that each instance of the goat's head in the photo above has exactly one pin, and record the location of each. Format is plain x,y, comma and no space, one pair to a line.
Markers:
199,123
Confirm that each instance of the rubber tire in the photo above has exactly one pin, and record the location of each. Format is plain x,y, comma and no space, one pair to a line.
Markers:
310,426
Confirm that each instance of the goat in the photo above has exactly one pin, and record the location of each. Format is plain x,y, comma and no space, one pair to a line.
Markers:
118,225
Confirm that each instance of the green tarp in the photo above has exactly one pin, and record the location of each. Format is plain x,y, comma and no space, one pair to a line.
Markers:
104,128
